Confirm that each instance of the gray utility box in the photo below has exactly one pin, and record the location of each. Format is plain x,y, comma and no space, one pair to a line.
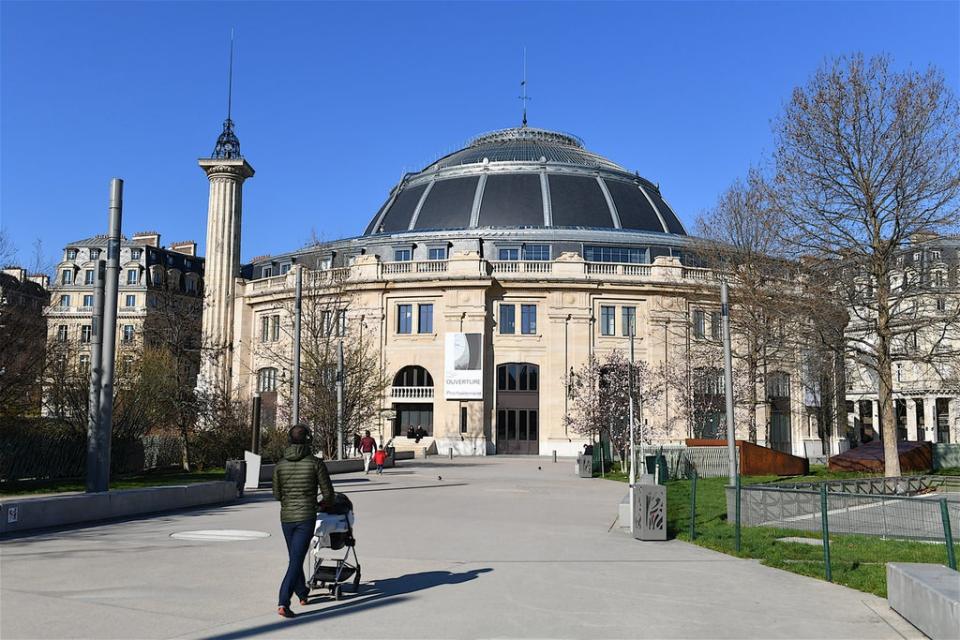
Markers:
585,466
650,512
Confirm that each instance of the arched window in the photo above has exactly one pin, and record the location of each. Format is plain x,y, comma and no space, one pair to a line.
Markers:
413,376
267,379
518,376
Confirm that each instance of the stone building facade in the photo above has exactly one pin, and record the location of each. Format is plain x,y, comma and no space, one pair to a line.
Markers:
23,333
151,276
926,350
485,280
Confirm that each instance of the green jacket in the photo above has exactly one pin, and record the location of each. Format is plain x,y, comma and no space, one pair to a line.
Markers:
295,481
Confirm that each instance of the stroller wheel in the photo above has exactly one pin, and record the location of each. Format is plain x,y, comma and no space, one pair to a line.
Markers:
337,592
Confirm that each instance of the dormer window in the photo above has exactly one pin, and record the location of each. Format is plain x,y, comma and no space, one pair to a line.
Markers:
135,254
94,254
71,254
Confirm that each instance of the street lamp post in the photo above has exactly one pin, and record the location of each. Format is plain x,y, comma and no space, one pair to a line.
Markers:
728,381
633,452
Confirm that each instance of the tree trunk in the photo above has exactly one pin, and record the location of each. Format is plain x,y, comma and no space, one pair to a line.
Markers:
888,425
752,377
184,452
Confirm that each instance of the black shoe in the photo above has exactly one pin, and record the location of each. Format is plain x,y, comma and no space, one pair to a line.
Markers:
285,612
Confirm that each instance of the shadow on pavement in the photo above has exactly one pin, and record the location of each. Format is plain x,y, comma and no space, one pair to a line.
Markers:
375,594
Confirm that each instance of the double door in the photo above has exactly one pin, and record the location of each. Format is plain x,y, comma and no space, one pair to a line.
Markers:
518,431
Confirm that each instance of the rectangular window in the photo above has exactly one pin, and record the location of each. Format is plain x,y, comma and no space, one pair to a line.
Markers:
267,272
608,321
939,279
629,321
62,333
528,319
86,331
64,301
935,256
88,300
326,322
128,333
264,328
341,323
131,276
463,419
632,255
131,301
715,325
284,268
275,328
508,319
509,254
536,252
438,253
135,254
425,319
71,254
402,255
899,372
404,318
941,304
94,254
698,324
84,362
67,276
88,276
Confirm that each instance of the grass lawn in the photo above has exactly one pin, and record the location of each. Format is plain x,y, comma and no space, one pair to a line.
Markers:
856,561
151,479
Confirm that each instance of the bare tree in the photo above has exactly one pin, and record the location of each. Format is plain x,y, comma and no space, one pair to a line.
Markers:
325,323
600,393
867,162
8,252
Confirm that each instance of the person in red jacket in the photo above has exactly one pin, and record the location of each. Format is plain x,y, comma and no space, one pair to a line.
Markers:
367,446
380,459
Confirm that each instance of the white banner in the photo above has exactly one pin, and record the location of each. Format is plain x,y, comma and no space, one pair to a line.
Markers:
463,367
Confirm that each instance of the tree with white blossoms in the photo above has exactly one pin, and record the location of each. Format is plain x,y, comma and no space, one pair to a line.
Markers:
600,399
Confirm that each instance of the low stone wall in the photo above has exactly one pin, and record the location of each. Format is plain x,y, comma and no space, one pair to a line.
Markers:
350,465
927,595
28,513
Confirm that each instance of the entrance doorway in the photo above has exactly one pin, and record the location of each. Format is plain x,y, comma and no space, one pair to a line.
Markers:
518,408
778,392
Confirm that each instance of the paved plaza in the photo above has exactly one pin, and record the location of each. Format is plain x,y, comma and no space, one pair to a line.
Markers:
497,548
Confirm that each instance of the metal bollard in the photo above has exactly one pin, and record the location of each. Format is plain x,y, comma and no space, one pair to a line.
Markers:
737,516
693,506
450,453
554,455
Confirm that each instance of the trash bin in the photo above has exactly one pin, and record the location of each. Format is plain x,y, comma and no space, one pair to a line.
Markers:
650,512
236,472
585,466
658,464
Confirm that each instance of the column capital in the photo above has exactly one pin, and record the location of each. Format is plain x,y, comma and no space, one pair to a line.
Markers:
237,169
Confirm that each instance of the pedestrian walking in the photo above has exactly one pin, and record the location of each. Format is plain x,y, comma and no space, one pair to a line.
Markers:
296,479
367,446
379,459
356,443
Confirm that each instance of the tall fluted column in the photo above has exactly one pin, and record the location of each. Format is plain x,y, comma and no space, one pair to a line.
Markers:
222,267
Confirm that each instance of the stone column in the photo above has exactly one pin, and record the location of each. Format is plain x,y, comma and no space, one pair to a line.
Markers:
912,419
953,419
930,418
222,267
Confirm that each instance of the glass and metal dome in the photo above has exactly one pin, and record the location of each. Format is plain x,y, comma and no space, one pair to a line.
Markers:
524,177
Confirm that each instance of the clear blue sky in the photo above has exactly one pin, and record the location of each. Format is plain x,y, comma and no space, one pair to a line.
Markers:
334,101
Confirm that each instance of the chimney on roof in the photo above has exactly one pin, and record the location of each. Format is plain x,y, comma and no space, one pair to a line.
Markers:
17,272
149,238
41,279
187,247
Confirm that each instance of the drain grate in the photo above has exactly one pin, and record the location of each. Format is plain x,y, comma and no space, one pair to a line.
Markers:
220,535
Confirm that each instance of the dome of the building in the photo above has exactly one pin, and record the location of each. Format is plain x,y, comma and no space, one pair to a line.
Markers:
524,177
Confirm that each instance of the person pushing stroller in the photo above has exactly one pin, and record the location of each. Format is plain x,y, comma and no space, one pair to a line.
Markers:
296,479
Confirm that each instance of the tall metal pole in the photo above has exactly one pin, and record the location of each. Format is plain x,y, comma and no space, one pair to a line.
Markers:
728,381
255,435
93,403
633,452
109,349
298,312
340,400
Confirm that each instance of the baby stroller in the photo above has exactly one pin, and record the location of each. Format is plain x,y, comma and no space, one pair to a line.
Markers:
334,531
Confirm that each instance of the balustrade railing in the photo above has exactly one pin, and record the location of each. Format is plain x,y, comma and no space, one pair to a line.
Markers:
415,393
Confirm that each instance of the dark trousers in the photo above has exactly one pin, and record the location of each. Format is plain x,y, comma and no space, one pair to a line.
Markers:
298,536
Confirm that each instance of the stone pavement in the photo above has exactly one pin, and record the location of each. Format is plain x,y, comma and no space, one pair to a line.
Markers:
497,548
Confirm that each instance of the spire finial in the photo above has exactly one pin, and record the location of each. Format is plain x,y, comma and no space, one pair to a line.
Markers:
230,78
228,145
523,88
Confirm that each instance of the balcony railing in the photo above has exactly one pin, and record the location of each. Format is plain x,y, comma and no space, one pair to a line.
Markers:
420,266
618,269
412,393
521,266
